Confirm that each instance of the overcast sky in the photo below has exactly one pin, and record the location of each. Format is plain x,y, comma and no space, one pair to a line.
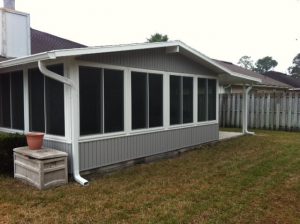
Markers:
224,30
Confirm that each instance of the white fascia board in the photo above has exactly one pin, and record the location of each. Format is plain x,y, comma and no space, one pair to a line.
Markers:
212,62
27,59
82,51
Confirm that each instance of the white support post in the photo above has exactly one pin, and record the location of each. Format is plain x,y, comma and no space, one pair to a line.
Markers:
245,110
26,100
166,101
195,99
127,100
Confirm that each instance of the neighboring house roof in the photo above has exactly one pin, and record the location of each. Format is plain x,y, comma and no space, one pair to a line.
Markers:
281,77
171,47
41,42
265,80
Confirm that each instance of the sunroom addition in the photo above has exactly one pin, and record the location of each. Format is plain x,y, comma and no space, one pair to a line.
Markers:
106,105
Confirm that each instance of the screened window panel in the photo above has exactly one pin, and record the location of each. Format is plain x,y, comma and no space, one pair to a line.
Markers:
211,99
175,100
139,100
36,100
113,100
90,100
187,91
5,100
17,100
155,100
202,99
55,112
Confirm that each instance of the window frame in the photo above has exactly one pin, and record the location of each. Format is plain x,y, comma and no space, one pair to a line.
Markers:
128,131
47,135
147,109
102,115
11,128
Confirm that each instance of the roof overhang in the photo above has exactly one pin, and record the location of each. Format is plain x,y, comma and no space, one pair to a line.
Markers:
226,76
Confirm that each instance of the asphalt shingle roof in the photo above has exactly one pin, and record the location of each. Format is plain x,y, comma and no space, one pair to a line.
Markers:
281,77
41,42
265,79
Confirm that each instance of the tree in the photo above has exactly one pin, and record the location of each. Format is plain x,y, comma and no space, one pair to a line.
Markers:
246,62
294,70
265,64
157,37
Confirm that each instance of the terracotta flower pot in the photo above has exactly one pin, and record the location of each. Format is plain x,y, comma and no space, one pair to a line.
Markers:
35,140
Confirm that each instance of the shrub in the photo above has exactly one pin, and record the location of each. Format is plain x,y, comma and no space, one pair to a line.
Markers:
7,143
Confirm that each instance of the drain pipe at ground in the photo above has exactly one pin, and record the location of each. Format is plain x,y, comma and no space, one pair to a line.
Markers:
245,111
75,119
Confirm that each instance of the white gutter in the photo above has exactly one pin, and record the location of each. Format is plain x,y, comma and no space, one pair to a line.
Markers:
245,111
75,112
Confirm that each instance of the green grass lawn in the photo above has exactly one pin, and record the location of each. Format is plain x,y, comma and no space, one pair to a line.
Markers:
251,179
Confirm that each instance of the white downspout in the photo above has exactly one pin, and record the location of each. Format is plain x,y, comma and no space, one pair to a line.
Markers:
75,112
245,110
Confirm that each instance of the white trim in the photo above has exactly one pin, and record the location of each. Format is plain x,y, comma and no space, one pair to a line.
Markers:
217,100
26,99
120,48
195,100
127,100
166,100
57,138
10,130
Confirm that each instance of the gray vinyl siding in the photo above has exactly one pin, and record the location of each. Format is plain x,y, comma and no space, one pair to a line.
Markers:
105,152
61,146
153,59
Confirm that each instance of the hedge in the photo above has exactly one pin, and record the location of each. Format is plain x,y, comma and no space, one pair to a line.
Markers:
7,143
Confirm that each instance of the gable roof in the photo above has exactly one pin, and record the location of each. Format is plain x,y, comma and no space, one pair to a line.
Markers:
170,46
265,80
41,42
284,78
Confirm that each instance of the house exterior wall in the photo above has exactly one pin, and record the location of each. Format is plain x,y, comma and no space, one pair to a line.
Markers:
153,59
99,153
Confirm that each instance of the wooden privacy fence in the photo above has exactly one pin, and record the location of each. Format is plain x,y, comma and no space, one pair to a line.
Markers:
275,111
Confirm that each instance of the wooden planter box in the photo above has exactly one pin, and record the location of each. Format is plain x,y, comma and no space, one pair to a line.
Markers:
43,168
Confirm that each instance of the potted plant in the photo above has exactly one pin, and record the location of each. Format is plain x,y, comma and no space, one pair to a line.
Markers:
35,140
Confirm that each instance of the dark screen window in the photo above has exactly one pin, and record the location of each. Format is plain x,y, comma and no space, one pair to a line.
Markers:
90,85
187,91
55,111
211,85
155,100
5,116
113,100
175,100
17,100
202,99
139,100
36,100
46,102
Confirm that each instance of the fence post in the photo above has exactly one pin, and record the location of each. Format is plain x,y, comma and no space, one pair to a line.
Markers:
295,111
277,115
290,111
268,112
228,110
262,111
233,110
238,102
